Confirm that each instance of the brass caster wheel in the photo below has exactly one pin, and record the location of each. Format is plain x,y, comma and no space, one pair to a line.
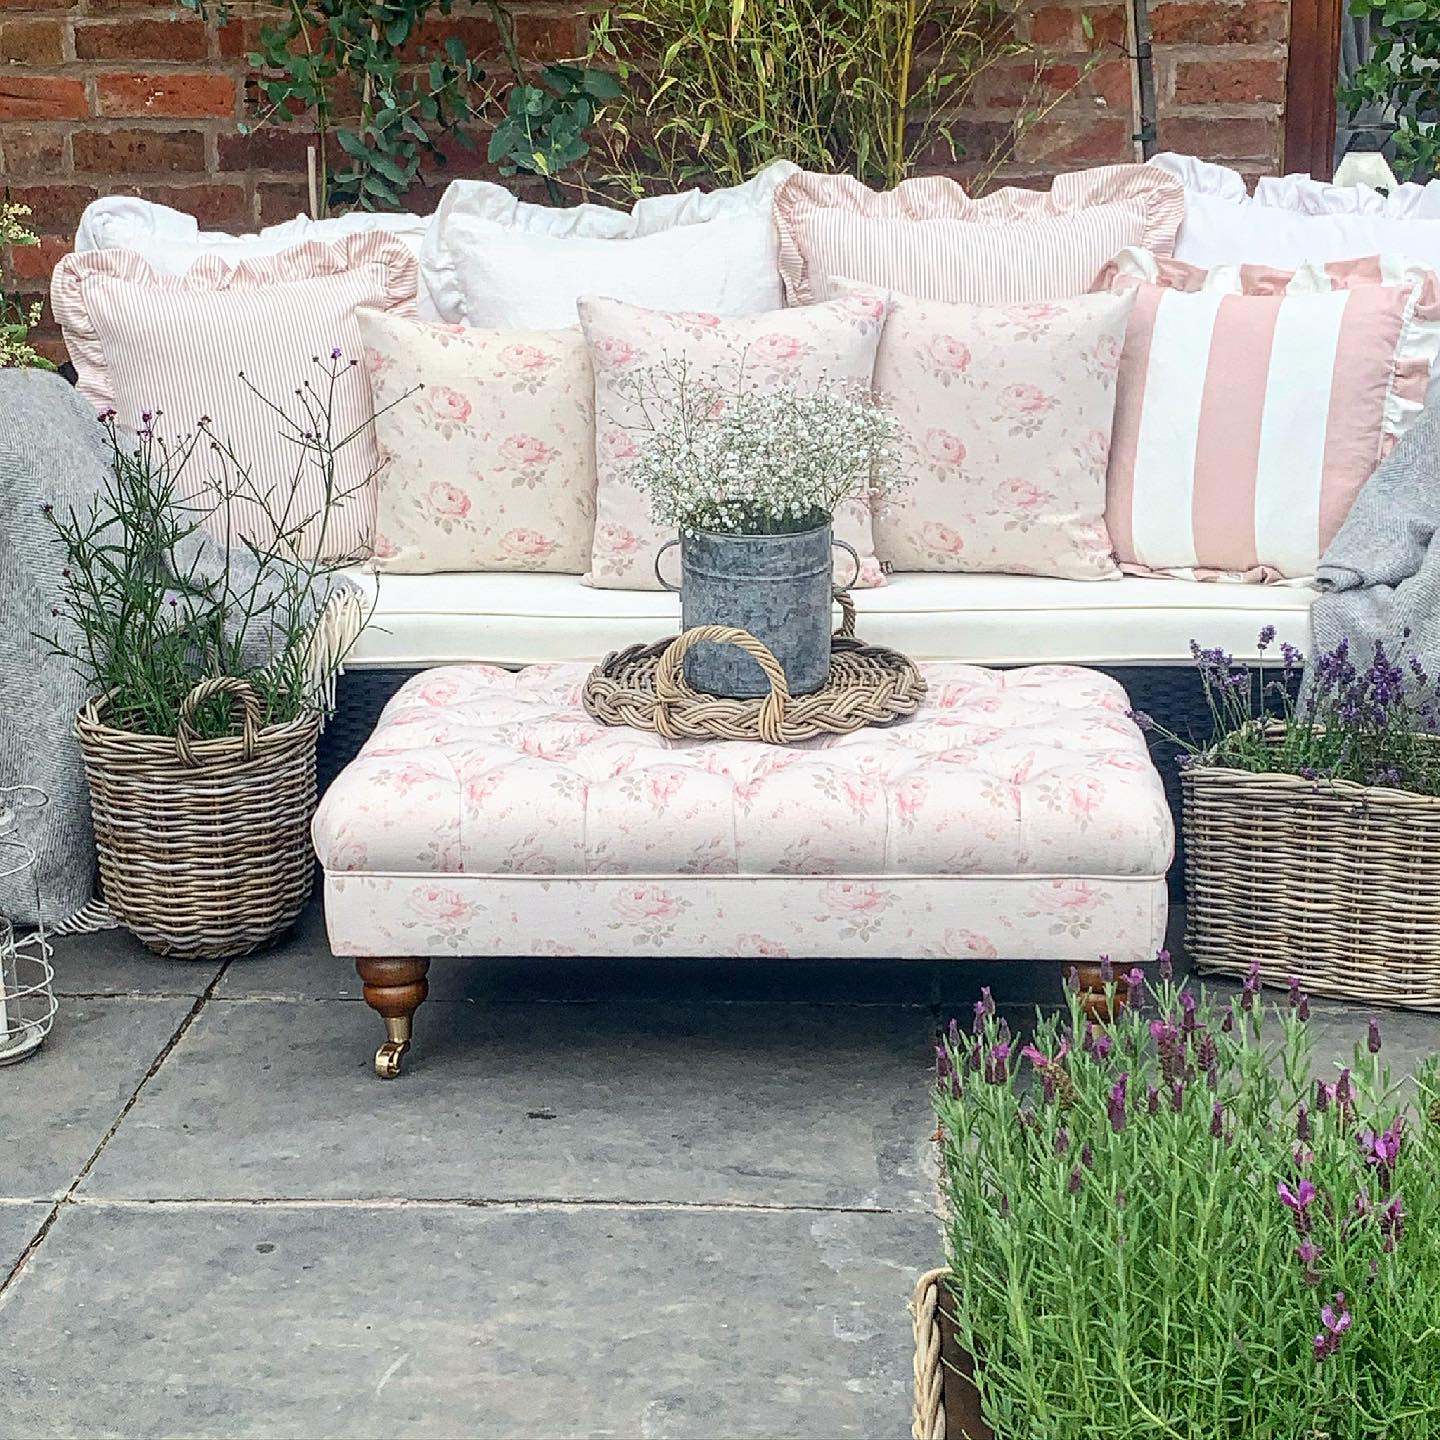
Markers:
387,1058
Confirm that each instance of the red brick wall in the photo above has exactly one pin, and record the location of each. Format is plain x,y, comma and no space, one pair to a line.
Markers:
106,96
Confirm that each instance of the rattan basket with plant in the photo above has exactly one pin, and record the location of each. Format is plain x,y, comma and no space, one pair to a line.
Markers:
211,657
203,845
1312,832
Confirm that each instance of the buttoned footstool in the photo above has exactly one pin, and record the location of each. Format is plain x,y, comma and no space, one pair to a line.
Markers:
1016,816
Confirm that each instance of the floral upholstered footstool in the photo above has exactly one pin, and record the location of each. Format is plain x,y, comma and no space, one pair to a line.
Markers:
1016,816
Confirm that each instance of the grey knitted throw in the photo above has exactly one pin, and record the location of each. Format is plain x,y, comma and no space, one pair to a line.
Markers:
1381,574
51,452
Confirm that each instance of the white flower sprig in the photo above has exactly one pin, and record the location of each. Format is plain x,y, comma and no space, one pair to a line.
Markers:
750,461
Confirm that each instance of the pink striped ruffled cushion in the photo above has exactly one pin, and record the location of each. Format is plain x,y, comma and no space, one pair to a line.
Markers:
928,239
177,344
1253,405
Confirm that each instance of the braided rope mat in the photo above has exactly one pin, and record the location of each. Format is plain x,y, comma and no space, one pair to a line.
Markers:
644,687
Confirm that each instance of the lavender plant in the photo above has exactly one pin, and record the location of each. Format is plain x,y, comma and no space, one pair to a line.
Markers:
1370,726
757,461
1166,1226
160,591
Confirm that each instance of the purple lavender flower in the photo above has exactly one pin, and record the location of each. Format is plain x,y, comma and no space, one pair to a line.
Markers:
1293,998
1062,1141
1302,1122
1344,1090
1166,965
1324,1096
1177,1096
1227,1025
987,1000
1141,719
1392,1223
1087,1156
335,353
1207,1052
1267,638
1382,1150
954,1033
1336,1320
1309,1254
1107,969
1250,986
1135,983
1116,1104
1102,1046
1152,1100
1076,1181
1217,1121
1372,1036
1187,1012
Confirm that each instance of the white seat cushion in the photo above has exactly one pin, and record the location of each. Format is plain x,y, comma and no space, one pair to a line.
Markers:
517,619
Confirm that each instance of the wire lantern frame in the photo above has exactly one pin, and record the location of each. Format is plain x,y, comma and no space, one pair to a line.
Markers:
27,996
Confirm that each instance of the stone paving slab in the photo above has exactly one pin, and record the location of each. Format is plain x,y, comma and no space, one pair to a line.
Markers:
754,1104
294,1322
56,1106
111,962
19,1224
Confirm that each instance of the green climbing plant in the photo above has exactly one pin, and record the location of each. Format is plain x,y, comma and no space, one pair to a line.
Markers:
382,100
1402,78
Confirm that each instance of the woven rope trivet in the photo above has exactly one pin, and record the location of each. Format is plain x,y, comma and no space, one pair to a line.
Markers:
644,687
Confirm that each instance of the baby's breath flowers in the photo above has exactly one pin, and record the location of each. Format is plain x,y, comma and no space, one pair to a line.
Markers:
758,460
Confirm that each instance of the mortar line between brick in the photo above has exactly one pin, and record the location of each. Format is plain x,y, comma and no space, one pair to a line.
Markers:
68,1197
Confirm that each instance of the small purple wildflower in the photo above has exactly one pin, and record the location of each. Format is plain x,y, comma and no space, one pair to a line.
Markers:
1372,1036
1166,965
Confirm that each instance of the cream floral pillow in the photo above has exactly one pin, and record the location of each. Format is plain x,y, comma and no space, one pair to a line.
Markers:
1006,411
809,347
491,466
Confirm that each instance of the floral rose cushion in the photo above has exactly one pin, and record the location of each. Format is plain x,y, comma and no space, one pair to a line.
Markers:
1006,412
491,466
820,345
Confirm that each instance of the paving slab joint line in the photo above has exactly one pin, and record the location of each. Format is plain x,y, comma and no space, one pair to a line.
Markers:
68,1197
281,1202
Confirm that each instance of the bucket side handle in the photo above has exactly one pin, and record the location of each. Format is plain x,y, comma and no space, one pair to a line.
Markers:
659,555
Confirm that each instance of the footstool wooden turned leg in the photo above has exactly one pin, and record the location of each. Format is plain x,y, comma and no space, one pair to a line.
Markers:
1093,1001
394,990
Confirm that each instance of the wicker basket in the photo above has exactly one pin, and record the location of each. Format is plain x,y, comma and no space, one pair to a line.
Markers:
1336,883
204,845
946,1405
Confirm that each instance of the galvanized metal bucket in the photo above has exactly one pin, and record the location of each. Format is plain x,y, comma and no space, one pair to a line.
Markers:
778,587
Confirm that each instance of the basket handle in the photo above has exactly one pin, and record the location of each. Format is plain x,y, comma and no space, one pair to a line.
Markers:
670,687
254,715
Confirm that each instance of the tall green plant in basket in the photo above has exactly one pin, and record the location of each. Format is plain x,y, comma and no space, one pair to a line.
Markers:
715,89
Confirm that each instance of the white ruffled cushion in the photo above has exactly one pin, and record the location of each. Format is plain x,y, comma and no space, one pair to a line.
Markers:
1308,196
493,261
172,241
1298,221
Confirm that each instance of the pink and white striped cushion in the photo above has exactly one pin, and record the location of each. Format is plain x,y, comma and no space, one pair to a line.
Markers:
928,239
146,341
1253,405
